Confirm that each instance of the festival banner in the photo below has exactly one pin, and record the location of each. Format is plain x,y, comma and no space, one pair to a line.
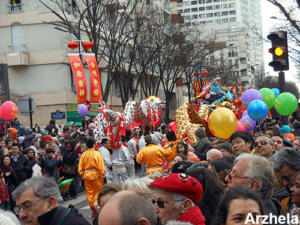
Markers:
95,80
197,87
79,77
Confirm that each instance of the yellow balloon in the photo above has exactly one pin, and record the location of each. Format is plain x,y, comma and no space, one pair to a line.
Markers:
222,123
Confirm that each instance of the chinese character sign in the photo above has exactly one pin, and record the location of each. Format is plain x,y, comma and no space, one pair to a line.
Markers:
79,78
95,81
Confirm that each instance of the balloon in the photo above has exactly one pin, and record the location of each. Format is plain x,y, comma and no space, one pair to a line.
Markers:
268,97
245,113
82,109
222,123
250,95
9,110
286,103
249,123
276,91
241,126
257,110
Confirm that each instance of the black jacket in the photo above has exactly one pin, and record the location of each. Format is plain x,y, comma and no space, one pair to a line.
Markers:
73,218
70,158
20,168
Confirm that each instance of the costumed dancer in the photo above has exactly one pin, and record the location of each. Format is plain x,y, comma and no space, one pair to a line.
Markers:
92,170
133,148
119,158
107,158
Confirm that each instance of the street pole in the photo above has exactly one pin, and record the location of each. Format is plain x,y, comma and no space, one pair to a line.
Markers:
281,81
30,111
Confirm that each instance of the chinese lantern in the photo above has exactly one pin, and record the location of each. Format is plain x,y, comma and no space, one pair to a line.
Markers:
88,45
205,73
73,45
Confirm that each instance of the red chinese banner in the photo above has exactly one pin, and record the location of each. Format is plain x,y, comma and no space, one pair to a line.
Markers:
79,77
95,81
197,87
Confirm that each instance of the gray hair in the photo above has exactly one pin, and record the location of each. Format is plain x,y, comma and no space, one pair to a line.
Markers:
267,136
134,206
289,157
174,222
140,185
260,169
43,187
8,218
180,198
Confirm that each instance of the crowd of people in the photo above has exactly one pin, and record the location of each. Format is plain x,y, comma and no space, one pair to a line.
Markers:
152,178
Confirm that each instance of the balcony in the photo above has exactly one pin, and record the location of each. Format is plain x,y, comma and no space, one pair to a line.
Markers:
15,8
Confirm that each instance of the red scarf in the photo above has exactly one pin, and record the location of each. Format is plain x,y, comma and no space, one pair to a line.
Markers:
193,216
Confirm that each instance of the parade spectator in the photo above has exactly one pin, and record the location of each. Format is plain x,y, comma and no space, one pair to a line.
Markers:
241,142
50,164
272,131
170,145
3,150
153,156
107,159
129,208
176,197
174,222
180,157
118,160
225,148
296,143
19,164
213,154
202,145
92,170
236,205
8,175
295,198
220,168
257,173
4,195
187,150
31,161
38,201
140,185
133,148
264,146
51,128
278,142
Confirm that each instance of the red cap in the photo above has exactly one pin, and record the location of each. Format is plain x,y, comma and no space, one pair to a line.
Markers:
180,183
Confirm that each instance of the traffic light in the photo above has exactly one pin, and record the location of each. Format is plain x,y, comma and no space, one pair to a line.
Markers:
279,51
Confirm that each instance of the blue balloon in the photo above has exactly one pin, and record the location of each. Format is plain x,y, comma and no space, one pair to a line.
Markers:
257,110
276,91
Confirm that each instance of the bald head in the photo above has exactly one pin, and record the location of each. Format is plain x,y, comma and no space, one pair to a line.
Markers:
127,208
213,154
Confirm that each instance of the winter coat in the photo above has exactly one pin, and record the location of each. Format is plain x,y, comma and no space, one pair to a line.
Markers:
31,163
70,158
193,216
50,166
20,168
73,218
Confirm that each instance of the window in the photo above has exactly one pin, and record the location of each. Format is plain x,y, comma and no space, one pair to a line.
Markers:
187,3
224,6
15,6
208,1
117,90
216,0
179,1
179,11
232,12
232,52
216,6
193,2
201,8
224,13
17,38
217,14
194,9
187,10
233,19
225,20
201,15
202,22
208,7
195,16
201,1
187,17
209,15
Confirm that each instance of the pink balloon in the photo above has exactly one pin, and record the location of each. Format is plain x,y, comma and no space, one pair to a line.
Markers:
241,126
172,126
9,110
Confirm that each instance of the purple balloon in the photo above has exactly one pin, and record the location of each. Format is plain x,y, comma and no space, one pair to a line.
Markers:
82,109
245,113
250,123
249,96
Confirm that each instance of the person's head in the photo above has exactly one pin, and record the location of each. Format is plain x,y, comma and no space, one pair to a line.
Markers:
287,164
182,147
295,191
180,157
50,152
90,143
15,149
241,142
213,154
34,197
278,142
252,171
171,135
6,160
236,205
2,144
127,208
225,148
8,218
36,143
140,185
272,130
174,195
264,145
30,153
220,168
148,139
296,143
105,143
200,133
106,192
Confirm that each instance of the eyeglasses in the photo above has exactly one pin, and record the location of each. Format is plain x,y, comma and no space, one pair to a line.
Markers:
161,204
260,142
26,206
231,176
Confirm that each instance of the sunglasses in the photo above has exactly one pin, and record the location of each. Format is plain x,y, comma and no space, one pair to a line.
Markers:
260,142
160,203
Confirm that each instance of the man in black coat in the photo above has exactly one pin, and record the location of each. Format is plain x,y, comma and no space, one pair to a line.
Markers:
38,202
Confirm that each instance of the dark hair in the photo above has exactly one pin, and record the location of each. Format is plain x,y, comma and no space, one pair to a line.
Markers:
90,142
181,166
221,165
49,150
275,130
109,188
185,145
103,141
237,192
184,157
243,135
148,139
15,144
171,135
5,156
212,191
289,157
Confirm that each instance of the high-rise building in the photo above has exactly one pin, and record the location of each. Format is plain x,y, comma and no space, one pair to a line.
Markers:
235,22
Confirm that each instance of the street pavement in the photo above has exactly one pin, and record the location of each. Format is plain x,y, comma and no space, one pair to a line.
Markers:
81,204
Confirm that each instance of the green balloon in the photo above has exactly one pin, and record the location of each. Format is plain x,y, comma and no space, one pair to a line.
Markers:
268,97
286,103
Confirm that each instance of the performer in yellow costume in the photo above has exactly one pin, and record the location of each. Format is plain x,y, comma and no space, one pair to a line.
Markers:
153,156
92,170
171,144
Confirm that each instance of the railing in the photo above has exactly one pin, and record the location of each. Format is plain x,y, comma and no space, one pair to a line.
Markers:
15,8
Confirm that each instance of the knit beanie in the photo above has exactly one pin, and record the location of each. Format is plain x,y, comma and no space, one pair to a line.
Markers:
200,133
